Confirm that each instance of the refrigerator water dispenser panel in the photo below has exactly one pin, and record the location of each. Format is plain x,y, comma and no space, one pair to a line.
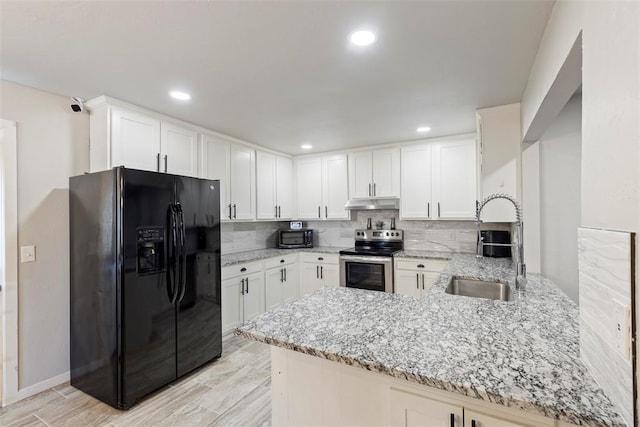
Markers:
150,250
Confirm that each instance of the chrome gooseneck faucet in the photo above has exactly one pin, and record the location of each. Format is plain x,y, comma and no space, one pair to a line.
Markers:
518,245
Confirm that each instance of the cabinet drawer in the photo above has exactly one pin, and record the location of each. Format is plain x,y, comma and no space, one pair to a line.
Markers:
428,264
280,261
241,269
320,258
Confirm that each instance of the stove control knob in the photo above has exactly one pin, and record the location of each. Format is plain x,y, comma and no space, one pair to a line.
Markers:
387,233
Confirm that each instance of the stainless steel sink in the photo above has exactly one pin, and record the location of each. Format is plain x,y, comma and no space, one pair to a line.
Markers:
479,289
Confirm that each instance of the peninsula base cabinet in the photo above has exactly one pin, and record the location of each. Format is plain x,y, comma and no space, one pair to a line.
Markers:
319,271
308,390
242,294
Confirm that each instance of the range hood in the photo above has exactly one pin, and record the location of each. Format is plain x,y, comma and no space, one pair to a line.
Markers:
373,204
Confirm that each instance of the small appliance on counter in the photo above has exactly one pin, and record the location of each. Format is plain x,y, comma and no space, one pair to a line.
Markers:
496,236
295,237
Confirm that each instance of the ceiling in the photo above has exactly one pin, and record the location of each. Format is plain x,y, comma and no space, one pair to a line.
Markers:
283,73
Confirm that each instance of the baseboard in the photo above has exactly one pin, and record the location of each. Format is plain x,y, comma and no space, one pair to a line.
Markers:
37,388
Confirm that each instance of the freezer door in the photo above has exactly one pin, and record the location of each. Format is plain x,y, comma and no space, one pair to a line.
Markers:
148,331
199,325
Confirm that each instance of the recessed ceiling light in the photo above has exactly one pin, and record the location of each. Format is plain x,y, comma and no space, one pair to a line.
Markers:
306,146
362,38
423,129
182,96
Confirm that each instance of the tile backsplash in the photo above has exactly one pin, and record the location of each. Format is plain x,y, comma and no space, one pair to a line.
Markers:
442,236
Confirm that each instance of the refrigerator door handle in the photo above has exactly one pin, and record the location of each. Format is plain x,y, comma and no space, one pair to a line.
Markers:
171,258
182,261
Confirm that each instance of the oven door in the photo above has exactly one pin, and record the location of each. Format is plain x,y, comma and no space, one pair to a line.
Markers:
374,273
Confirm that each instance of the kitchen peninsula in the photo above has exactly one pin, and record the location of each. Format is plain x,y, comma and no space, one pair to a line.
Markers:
459,358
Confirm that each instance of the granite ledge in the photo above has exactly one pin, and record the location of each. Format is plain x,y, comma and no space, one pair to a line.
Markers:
423,254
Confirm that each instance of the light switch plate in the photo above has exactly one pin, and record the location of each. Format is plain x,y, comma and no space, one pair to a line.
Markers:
27,253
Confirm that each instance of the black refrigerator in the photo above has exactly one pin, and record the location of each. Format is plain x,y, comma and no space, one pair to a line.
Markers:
145,281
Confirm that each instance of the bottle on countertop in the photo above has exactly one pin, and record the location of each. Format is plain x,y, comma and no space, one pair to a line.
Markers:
368,223
393,223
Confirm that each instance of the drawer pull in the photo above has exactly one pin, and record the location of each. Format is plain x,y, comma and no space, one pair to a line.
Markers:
243,269
420,265
281,261
320,258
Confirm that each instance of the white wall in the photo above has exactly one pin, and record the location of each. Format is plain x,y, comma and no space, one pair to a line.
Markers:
52,145
610,31
560,149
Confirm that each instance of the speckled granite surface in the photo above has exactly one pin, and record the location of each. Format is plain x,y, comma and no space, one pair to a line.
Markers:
249,256
521,354
423,254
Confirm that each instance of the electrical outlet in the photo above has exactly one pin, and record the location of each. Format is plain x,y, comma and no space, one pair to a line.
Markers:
27,253
622,318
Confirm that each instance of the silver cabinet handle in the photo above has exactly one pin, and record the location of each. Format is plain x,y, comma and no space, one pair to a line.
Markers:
321,268
423,282
158,161
317,271
417,281
428,209
229,210
247,283
281,275
285,274
369,189
242,287
438,209
326,212
279,211
374,189
319,212
165,163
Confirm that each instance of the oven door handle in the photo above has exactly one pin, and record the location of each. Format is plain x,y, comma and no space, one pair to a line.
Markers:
369,259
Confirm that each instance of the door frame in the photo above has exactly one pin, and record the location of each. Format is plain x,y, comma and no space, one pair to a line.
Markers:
9,258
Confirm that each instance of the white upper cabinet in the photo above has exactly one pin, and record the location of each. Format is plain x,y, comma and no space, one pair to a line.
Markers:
322,189
374,173
130,138
439,180
179,150
309,187
242,182
135,141
214,164
274,186
234,165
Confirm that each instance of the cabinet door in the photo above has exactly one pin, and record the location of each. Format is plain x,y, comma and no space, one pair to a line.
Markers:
454,179
242,182
330,275
407,283
266,186
231,304
253,295
412,410
428,279
386,173
335,187
273,287
415,196
360,183
214,164
310,278
476,419
179,150
135,140
284,187
309,187
291,283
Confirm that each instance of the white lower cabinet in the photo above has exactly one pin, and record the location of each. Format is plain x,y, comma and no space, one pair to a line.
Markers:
309,390
242,294
281,279
415,277
412,410
319,271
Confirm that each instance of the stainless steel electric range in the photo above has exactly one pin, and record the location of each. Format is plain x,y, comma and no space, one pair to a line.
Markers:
369,265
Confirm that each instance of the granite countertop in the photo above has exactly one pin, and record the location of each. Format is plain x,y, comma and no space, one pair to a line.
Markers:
522,354
423,254
259,254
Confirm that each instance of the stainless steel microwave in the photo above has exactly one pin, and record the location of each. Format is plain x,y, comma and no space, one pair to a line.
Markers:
288,239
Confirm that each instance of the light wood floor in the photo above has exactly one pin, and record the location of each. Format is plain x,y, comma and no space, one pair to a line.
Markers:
235,390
